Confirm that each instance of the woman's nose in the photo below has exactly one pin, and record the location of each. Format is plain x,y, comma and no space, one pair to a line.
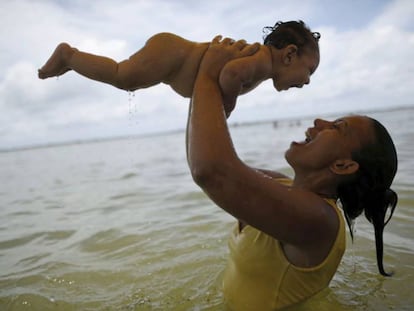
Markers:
320,123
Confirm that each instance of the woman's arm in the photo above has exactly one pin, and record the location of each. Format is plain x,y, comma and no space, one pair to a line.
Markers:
291,215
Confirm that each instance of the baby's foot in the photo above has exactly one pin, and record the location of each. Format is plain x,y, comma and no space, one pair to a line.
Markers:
56,65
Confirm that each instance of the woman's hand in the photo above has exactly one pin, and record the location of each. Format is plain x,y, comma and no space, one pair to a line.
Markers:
221,51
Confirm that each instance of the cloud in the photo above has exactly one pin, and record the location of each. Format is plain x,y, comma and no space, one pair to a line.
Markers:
365,62
398,13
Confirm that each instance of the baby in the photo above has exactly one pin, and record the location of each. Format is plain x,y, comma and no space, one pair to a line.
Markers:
289,55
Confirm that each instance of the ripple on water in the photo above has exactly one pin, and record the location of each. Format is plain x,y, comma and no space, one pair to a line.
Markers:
128,176
21,241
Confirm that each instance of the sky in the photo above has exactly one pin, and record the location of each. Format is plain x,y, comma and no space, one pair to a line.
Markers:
366,63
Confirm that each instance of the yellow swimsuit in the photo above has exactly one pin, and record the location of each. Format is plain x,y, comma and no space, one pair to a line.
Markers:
260,278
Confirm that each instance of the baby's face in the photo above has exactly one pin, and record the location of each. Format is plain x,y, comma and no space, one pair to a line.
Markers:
296,71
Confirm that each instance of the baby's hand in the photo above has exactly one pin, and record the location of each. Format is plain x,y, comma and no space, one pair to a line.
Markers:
222,51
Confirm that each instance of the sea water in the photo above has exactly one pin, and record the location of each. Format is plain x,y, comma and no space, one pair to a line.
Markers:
120,225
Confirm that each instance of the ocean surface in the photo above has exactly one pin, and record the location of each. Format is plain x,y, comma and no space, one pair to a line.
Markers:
120,225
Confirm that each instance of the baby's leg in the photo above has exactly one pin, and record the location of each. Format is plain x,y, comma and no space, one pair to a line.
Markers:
66,58
156,62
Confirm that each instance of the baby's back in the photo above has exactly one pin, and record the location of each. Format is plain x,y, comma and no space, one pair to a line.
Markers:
186,56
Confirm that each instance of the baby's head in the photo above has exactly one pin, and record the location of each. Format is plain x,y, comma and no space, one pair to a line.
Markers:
299,53
293,32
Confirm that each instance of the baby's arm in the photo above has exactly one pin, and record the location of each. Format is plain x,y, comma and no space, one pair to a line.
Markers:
241,75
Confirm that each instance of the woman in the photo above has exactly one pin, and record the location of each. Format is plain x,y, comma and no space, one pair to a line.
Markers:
290,235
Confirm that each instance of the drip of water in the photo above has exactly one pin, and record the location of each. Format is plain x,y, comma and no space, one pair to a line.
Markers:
132,108
354,231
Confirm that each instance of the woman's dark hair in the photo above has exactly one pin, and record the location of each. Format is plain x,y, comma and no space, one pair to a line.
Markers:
294,32
370,191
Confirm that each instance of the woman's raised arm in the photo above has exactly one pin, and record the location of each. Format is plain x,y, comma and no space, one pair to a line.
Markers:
291,215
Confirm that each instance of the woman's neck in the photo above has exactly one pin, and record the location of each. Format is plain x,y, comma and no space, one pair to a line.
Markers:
324,185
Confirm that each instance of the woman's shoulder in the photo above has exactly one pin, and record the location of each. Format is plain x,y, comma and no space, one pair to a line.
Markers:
276,175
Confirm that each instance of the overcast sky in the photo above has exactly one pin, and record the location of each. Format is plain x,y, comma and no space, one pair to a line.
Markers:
367,50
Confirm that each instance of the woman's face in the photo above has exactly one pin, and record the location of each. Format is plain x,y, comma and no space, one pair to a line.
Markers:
328,141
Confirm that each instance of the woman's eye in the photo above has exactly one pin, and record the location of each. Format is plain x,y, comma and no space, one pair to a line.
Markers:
335,125
338,124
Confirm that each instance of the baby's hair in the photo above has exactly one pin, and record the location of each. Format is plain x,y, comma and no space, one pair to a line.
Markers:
293,32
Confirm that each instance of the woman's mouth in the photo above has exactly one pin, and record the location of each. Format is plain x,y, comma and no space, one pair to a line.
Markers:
308,139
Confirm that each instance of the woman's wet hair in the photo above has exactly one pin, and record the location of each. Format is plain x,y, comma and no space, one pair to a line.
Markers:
370,191
293,32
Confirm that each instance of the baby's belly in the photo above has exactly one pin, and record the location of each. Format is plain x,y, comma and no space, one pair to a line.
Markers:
183,81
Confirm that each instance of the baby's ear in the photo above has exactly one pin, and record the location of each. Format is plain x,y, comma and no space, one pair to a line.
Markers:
290,52
344,167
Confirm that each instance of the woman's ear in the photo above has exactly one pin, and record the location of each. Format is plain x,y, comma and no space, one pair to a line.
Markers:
289,53
344,167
